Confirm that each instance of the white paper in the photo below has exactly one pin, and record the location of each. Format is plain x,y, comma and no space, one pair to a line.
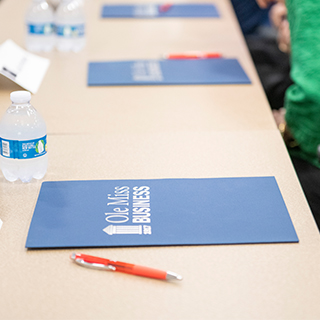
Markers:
0,223
22,67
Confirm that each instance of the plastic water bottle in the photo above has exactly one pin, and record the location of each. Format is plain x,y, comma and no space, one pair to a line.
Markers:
70,26
39,26
23,140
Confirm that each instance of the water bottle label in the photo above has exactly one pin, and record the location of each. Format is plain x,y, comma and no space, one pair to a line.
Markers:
27,149
70,31
40,29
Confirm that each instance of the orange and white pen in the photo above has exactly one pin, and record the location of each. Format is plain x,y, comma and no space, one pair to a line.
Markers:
165,7
106,264
193,55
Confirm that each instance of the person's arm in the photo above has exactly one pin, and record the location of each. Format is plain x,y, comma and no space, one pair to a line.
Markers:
303,97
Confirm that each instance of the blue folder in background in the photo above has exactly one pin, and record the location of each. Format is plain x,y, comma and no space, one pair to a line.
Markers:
109,213
167,72
188,10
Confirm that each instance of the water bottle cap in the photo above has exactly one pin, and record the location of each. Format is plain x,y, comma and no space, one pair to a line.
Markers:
20,96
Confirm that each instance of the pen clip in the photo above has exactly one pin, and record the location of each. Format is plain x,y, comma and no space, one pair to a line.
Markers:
92,265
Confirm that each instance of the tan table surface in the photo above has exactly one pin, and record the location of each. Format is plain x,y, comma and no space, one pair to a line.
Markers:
186,132
270,281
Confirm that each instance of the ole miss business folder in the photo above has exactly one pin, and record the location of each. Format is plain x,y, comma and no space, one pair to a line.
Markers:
167,72
159,212
150,10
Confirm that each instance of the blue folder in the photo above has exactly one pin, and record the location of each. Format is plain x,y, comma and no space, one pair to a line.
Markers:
188,10
167,72
111,213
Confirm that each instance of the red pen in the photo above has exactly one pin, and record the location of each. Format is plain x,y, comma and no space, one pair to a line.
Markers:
193,55
165,7
106,264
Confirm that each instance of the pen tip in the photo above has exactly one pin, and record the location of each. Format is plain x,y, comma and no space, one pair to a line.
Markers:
173,276
73,256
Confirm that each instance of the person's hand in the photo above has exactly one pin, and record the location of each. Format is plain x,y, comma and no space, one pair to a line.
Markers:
279,117
278,17
284,36
264,3
277,14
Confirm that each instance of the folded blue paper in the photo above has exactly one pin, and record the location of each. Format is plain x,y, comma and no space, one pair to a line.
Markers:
109,213
187,10
167,72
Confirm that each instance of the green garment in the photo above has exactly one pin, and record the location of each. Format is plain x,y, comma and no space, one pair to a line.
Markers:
303,97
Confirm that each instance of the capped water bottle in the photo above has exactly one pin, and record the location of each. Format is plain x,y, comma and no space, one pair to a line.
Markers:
23,140
39,26
70,25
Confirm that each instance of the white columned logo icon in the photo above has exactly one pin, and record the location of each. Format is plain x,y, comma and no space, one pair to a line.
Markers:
111,229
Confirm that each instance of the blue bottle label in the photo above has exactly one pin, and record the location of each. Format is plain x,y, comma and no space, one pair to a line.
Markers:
40,29
27,149
70,31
